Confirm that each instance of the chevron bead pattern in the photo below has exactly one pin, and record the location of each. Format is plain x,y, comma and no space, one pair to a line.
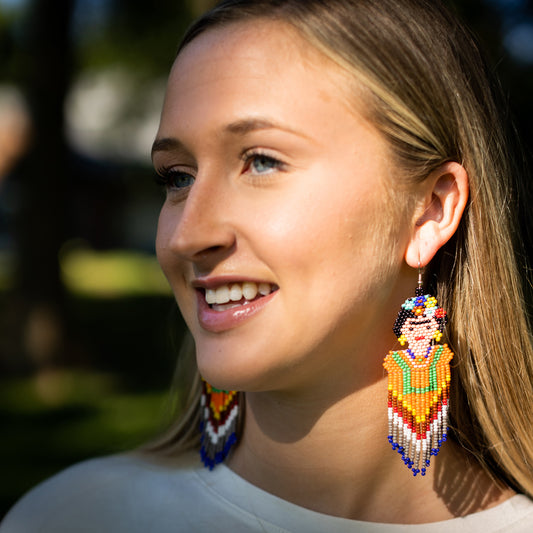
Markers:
220,412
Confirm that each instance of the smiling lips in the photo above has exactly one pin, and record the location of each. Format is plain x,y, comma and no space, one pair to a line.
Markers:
228,305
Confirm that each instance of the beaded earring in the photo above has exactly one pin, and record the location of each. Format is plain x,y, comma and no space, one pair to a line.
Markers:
419,381
219,417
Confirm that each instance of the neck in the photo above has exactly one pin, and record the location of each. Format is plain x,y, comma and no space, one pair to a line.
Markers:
331,455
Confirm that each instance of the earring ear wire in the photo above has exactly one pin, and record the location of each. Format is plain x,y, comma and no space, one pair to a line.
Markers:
419,291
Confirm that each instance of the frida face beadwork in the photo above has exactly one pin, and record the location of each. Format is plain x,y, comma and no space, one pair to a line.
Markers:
420,324
419,382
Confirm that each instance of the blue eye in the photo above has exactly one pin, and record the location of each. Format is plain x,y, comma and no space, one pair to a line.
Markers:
174,179
261,164
180,180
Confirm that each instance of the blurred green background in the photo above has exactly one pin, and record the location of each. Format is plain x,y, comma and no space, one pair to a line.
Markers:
89,330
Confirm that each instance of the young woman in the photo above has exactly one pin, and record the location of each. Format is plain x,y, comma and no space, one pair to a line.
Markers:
337,180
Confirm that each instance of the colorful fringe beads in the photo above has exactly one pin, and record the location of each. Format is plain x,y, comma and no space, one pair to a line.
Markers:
220,411
419,383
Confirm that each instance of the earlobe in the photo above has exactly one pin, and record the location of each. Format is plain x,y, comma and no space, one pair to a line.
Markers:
445,198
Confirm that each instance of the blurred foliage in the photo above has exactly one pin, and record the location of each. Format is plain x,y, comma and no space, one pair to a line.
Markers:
130,33
490,22
112,273
9,24
112,395
58,418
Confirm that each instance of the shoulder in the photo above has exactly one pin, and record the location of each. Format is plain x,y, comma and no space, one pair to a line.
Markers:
116,493
135,494
515,515
519,510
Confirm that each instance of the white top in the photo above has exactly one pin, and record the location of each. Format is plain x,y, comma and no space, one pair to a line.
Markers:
129,494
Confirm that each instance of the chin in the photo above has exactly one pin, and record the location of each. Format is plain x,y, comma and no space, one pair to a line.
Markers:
241,375
233,363
228,373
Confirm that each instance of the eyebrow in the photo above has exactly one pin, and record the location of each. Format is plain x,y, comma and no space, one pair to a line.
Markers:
239,127
247,125
166,144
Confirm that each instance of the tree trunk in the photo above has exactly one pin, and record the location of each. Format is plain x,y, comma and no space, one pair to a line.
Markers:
43,181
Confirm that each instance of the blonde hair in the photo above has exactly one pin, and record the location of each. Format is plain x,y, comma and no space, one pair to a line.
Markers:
429,94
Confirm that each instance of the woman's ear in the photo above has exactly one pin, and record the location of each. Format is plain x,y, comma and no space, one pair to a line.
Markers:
438,215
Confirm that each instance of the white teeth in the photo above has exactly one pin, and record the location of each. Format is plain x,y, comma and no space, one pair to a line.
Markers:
264,289
225,307
210,296
235,292
222,295
249,290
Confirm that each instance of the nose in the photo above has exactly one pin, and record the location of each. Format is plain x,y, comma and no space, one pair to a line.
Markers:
198,228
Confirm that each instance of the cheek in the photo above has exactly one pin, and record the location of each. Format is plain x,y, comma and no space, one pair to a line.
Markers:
328,218
162,240
174,268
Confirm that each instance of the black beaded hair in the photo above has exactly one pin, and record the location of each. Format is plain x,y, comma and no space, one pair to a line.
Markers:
406,312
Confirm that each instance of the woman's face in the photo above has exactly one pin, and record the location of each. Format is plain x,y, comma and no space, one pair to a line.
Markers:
277,235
